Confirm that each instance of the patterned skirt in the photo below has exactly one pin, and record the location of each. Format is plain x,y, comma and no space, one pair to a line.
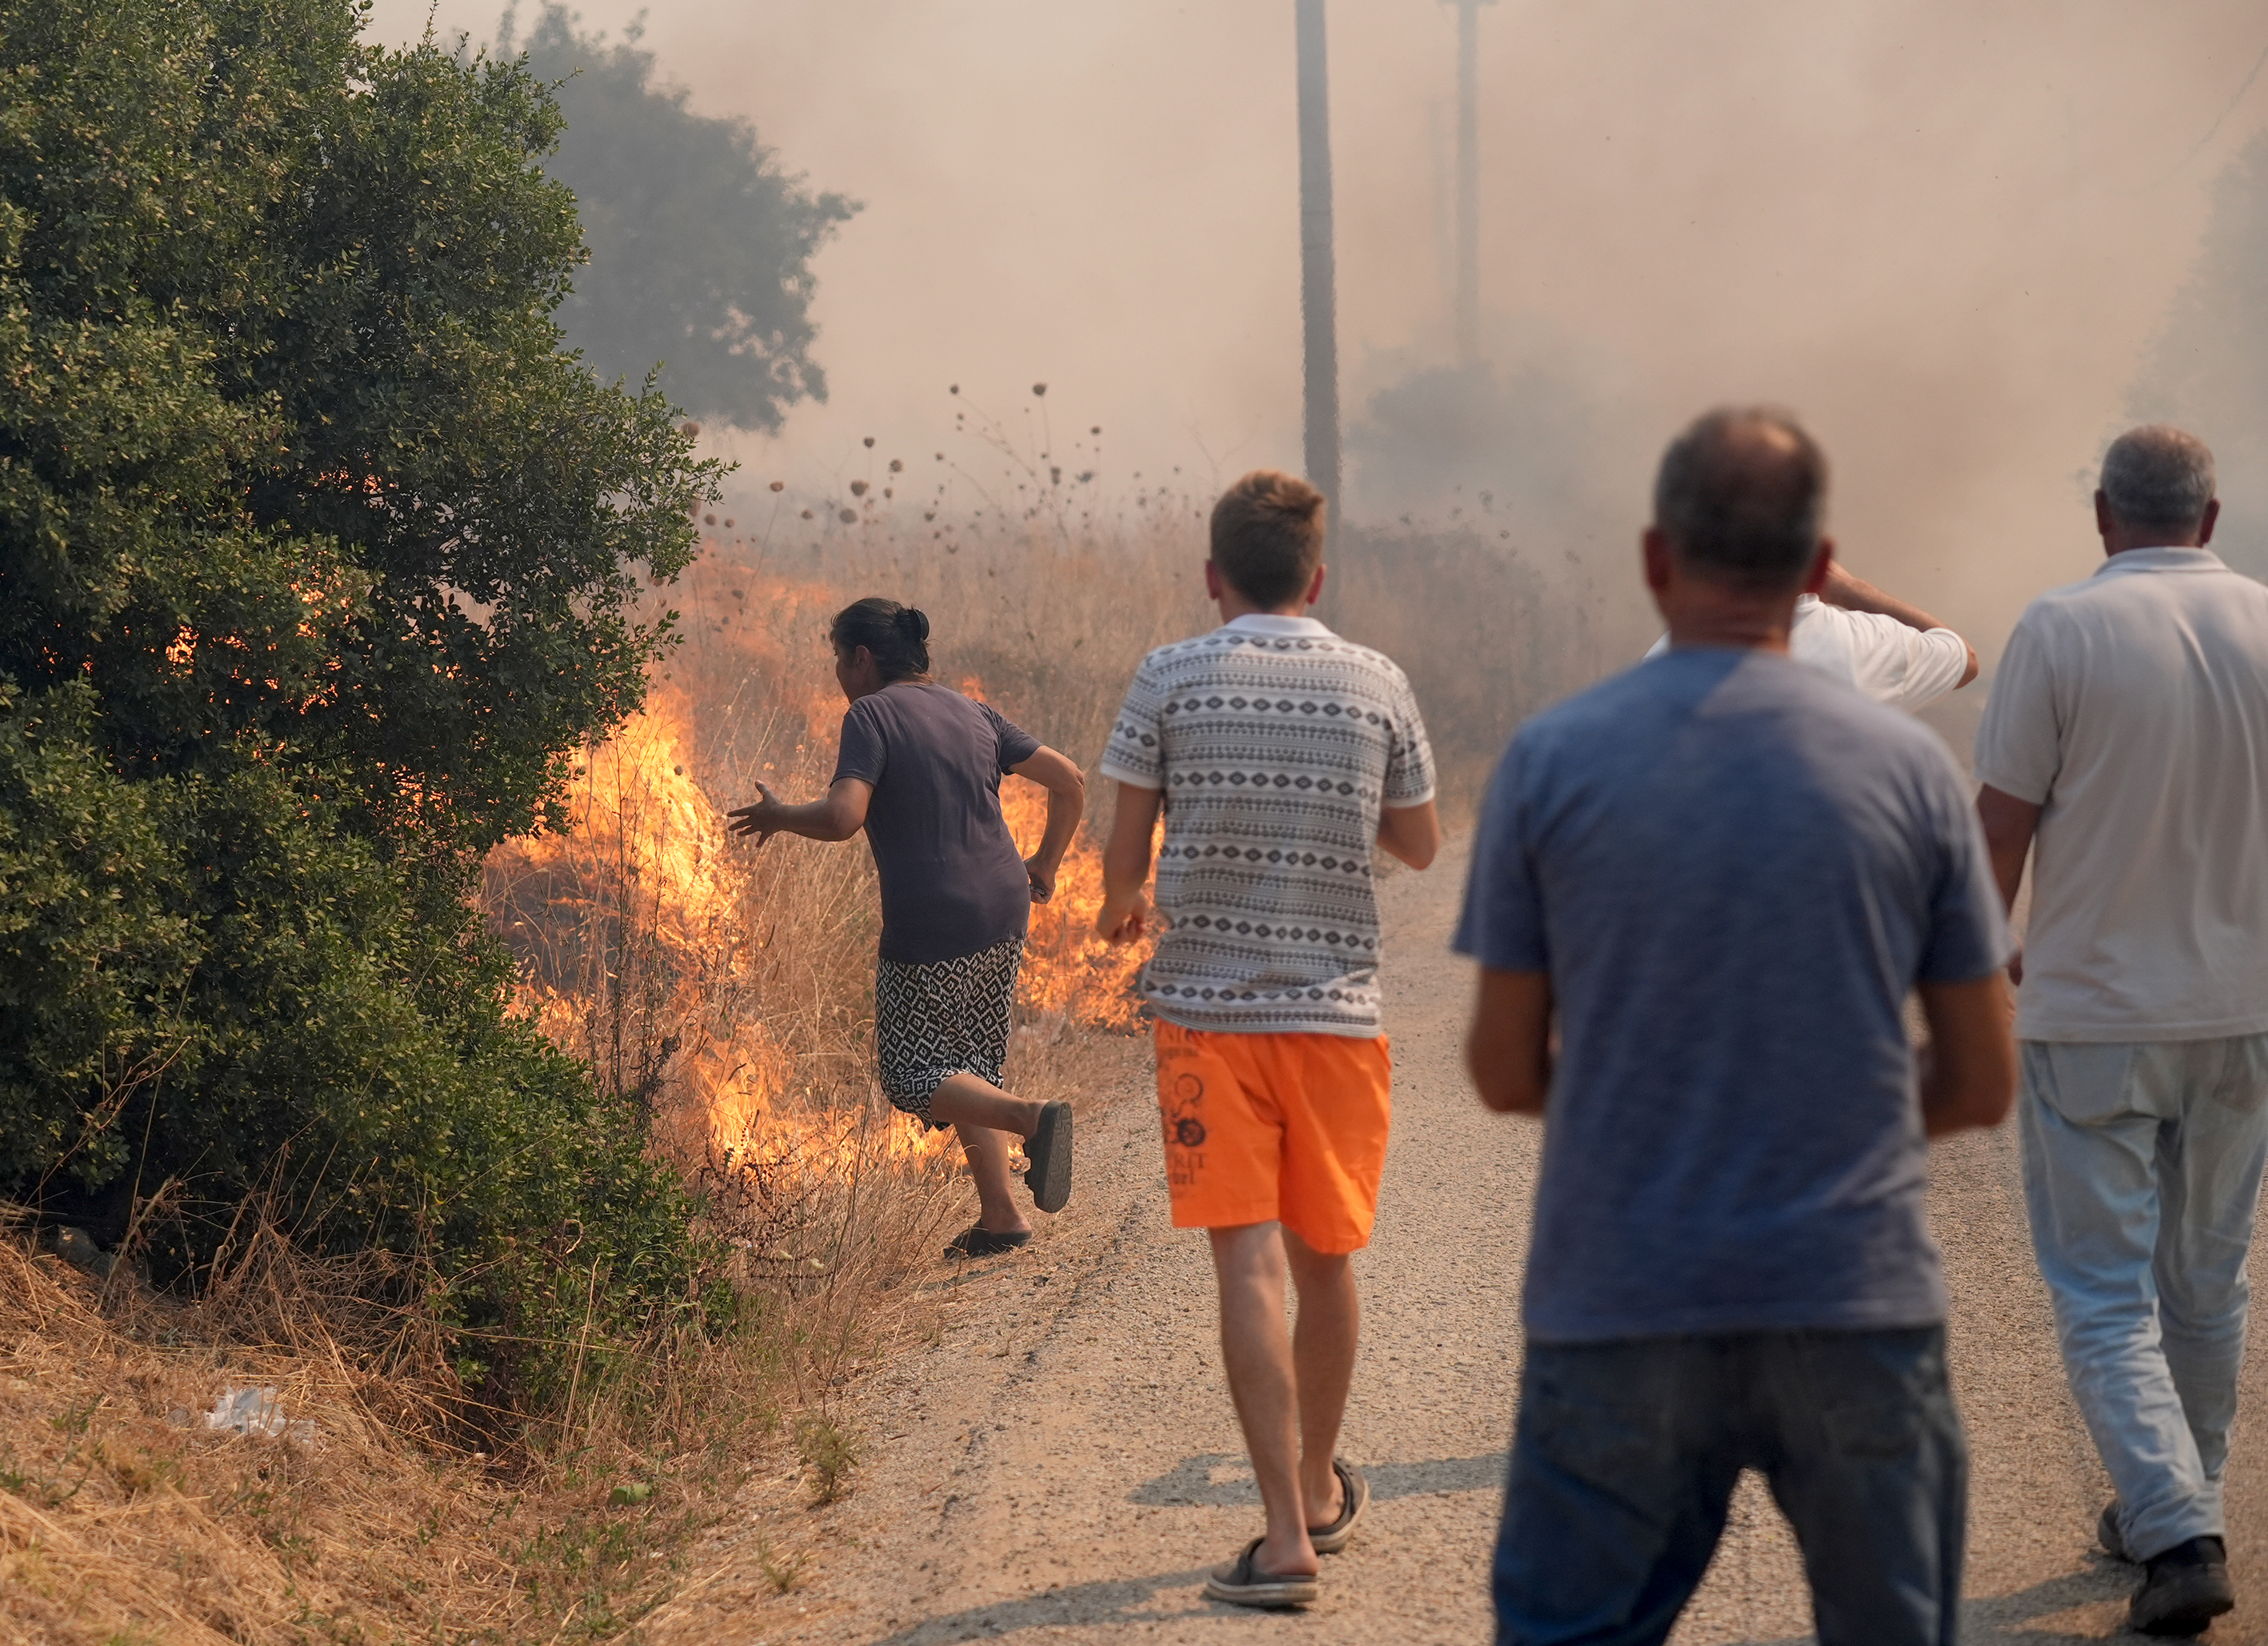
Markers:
946,1017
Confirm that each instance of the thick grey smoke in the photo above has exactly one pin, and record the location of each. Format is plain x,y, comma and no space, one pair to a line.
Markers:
1949,234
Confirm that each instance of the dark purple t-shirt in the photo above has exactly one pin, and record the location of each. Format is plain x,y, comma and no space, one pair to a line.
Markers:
953,881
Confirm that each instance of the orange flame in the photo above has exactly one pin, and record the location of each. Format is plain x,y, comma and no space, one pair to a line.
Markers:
1070,975
645,897
643,889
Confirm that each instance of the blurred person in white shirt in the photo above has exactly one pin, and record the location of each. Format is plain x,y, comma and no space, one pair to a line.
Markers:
1891,651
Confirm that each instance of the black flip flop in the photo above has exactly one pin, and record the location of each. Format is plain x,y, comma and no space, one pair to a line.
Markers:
1355,1491
1049,1152
976,1241
1241,1583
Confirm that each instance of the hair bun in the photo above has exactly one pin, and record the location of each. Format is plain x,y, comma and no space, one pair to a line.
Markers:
914,622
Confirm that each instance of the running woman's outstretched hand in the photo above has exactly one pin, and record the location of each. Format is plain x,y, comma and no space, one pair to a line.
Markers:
840,816
760,820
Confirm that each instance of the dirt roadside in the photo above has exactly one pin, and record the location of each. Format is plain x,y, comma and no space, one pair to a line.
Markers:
1062,1464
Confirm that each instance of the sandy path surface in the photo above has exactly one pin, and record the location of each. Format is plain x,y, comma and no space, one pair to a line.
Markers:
1063,1464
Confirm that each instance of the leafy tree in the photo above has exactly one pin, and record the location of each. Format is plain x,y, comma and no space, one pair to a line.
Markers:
317,556
2209,371
700,246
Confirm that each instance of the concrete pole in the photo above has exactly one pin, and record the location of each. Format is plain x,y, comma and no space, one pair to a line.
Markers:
1469,181
1318,278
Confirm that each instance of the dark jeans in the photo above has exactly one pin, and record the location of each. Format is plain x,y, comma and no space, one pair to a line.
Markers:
1626,1455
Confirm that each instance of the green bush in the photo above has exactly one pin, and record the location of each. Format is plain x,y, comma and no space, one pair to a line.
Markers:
317,564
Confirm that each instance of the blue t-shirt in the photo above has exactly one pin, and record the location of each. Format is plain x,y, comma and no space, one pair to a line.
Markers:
1733,869
953,881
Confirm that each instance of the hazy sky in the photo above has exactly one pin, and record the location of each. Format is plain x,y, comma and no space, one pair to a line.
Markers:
1942,230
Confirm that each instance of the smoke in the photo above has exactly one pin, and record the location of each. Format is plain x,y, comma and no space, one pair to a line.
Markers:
1455,442
1949,235
2209,371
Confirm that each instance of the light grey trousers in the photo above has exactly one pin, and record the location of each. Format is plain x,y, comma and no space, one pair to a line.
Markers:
2142,1168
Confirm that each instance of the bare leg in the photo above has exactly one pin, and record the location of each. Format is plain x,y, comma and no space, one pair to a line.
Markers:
965,1100
984,1115
987,1151
1255,1348
1322,1353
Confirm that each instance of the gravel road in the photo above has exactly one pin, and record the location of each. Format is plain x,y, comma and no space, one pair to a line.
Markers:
1063,1464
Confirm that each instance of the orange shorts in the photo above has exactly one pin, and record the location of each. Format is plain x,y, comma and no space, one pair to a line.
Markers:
1275,1128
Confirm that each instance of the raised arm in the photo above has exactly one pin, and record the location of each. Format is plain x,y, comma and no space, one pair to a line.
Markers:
1508,1049
840,816
1969,1067
1853,593
1066,787
1124,915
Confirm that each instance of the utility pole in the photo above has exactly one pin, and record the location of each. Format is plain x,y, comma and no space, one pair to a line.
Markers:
1318,278
1468,181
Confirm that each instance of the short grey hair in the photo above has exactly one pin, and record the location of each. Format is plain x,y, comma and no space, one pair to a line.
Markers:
1742,495
2158,475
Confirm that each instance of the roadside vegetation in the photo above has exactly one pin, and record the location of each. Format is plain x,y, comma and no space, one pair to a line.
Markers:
318,563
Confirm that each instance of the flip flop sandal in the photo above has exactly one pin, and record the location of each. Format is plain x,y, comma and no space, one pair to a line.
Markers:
976,1241
1241,1583
1356,1490
1050,1153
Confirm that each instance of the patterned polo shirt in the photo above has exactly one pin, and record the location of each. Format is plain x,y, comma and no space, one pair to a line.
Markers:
1276,743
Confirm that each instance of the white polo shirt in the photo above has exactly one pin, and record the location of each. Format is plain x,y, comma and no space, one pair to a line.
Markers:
1886,660
2133,709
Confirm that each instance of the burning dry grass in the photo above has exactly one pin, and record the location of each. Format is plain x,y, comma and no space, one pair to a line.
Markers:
728,988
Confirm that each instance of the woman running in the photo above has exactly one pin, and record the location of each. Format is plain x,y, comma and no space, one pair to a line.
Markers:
919,770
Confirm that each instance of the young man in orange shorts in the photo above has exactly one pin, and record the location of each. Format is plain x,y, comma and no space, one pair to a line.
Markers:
1281,756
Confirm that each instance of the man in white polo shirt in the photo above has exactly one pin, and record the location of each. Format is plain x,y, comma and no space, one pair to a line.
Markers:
1891,651
2126,746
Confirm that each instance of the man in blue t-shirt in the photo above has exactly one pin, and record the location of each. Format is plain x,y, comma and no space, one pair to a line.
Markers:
1723,872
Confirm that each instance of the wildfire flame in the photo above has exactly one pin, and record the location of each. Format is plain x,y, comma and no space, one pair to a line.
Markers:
638,904
637,933
1070,976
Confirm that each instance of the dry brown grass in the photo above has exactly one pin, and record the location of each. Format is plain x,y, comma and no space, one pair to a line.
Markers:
377,1514
123,1518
